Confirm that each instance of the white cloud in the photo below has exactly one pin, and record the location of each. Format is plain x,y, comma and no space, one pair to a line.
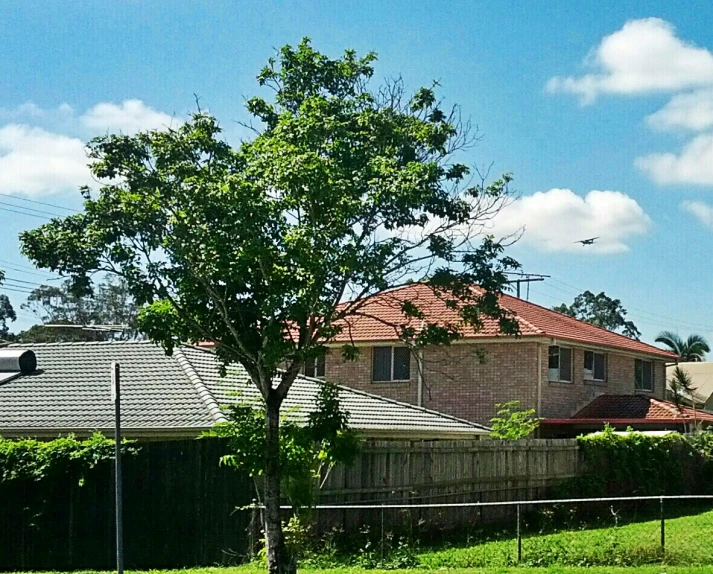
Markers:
29,111
645,56
35,162
693,165
701,211
553,220
129,117
38,160
692,111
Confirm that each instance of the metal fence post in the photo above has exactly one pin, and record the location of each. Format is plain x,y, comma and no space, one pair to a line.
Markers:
519,536
663,525
382,533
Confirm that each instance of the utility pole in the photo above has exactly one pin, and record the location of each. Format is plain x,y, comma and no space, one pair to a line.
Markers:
116,399
118,493
525,278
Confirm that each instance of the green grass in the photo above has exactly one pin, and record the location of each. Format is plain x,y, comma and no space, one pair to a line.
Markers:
515,570
629,549
687,543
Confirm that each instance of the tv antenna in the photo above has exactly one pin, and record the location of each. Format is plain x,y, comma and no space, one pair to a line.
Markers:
526,278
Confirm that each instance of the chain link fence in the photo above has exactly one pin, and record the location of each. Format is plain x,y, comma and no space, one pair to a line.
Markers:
621,531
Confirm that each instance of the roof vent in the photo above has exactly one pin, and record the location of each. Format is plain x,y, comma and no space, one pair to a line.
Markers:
16,362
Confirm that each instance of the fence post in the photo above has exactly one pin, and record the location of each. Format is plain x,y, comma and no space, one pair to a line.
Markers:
382,533
253,530
519,536
663,525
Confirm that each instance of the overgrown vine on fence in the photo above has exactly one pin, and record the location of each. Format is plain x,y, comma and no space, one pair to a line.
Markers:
639,464
35,460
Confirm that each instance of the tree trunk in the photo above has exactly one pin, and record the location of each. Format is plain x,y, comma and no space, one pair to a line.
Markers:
278,559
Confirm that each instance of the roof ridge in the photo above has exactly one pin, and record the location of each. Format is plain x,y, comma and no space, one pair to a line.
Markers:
395,402
80,343
205,395
361,393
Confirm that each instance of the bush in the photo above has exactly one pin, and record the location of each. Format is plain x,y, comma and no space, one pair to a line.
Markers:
635,464
35,460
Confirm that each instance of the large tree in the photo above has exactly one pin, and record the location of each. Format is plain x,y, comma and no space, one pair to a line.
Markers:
693,349
7,313
343,192
602,311
109,303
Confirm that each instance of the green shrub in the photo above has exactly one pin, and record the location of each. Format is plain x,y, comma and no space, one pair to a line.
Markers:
635,464
35,460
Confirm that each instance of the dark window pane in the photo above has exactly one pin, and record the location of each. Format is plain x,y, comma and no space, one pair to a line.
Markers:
565,364
599,366
554,360
402,364
648,376
589,360
639,373
320,366
381,367
309,368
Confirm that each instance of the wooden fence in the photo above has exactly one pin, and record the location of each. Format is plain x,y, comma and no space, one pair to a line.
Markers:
445,472
181,507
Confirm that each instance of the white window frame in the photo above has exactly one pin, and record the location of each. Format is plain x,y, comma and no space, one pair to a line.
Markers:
314,363
392,379
559,378
653,376
589,374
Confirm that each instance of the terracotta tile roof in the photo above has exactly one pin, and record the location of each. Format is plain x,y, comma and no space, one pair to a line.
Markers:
641,408
381,312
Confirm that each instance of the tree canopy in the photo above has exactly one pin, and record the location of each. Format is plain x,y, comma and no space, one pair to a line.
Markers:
7,313
602,311
108,303
692,349
344,191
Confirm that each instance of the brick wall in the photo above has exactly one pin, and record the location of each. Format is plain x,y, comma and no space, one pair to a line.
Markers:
562,400
468,380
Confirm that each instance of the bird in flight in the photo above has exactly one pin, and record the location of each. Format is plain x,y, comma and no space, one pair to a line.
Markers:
589,241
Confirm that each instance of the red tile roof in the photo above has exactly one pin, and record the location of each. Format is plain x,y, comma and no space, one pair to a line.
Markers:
379,314
635,408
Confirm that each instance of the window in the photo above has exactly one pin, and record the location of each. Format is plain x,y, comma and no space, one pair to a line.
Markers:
560,364
315,367
595,366
391,364
643,375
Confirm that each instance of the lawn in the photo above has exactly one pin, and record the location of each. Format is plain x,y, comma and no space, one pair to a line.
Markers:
636,544
629,549
515,570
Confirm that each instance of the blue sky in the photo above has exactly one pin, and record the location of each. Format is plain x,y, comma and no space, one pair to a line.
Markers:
570,97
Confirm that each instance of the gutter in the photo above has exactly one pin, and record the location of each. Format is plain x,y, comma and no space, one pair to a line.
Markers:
619,421
175,433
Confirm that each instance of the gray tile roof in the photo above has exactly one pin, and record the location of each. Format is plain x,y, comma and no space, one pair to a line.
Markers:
176,395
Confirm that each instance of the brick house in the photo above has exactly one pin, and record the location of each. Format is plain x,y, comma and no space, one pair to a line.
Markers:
557,365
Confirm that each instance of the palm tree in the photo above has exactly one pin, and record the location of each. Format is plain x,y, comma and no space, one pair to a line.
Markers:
693,349
682,389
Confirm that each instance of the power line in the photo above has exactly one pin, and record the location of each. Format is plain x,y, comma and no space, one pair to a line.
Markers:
40,202
30,209
641,320
21,281
675,321
19,270
26,292
25,213
18,265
